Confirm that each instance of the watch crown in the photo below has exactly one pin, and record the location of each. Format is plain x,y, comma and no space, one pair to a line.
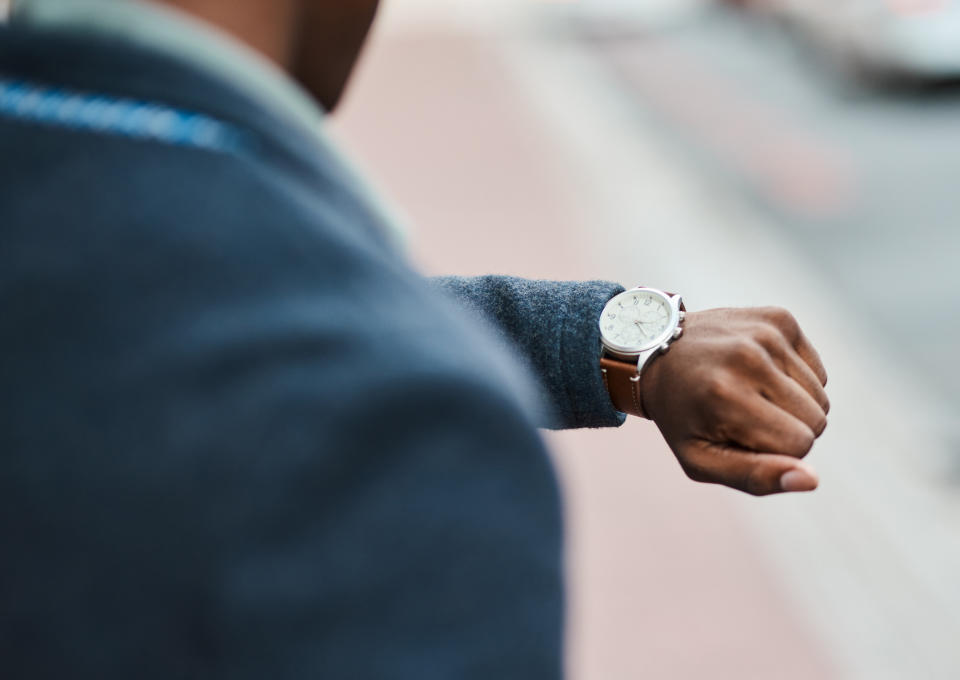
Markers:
664,347
677,332
683,315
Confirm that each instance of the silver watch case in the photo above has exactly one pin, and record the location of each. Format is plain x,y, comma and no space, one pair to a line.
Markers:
643,353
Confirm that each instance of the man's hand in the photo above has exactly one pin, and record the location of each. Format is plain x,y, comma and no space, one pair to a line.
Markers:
740,400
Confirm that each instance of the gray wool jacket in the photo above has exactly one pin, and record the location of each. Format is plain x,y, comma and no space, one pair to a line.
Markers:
241,437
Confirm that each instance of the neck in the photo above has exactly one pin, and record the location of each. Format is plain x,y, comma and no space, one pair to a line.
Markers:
267,27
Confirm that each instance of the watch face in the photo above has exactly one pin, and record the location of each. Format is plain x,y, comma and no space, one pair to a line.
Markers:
636,320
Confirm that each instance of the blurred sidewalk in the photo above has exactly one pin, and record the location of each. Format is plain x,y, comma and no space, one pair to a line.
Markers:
513,155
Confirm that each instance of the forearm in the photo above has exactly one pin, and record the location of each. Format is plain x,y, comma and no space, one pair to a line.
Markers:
552,327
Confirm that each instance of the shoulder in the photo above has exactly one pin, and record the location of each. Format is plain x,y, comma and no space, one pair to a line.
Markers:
206,256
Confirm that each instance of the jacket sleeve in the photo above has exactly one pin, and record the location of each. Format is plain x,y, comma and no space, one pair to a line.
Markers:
552,327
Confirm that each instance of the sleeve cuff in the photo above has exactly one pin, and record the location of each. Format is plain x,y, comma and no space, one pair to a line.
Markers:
586,402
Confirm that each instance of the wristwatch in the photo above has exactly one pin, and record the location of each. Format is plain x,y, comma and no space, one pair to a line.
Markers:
635,327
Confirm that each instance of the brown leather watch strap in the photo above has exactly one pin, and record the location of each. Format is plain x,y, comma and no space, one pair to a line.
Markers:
623,384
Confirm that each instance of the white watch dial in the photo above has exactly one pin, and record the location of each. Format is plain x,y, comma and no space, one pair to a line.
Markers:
635,319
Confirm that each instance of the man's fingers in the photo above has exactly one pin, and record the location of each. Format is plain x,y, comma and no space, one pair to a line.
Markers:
786,324
789,361
759,474
799,370
758,424
788,394
811,357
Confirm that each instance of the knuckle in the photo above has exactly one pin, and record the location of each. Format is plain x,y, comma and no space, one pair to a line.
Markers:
745,352
782,319
768,335
802,441
755,483
820,426
754,486
719,389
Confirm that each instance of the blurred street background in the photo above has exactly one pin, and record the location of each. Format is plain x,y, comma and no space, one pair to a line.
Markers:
741,154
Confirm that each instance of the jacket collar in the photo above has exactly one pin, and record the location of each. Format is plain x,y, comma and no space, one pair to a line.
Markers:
113,66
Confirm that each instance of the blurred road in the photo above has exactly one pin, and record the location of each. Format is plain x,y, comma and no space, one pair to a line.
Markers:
699,154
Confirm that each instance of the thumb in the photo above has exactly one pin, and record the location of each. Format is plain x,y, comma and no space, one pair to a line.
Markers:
759,474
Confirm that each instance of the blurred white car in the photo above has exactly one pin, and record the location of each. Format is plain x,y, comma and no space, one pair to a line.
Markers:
901,38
